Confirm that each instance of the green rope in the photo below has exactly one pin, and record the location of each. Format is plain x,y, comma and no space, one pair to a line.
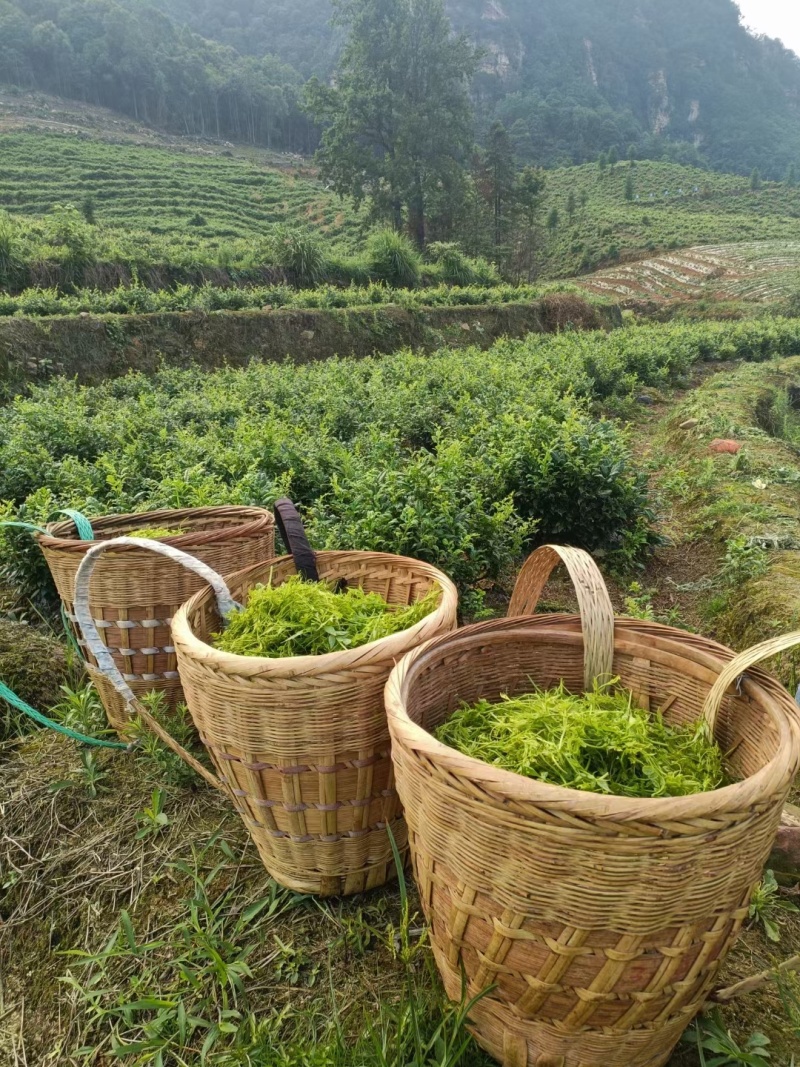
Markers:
82,524
11,698
26,526
85,533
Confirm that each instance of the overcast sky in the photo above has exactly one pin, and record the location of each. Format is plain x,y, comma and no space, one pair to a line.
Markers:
776,18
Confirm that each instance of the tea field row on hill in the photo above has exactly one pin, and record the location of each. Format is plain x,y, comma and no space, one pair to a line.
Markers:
460,458
213,210
671,207
763,272
138,300
203,198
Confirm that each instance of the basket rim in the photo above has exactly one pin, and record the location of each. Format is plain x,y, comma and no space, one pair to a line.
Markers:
507,786
295,666
254,521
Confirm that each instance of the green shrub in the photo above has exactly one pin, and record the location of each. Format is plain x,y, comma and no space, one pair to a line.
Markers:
457,269
393,259
576,480
299,254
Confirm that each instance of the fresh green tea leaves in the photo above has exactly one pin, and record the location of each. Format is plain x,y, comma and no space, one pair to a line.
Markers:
300,618
600,743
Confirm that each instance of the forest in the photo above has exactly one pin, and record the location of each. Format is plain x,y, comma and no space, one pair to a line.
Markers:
683,81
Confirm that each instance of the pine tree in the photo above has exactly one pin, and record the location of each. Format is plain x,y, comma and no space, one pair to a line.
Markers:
755,180
613,157
629,189
791,176
571,205
602,161
552,219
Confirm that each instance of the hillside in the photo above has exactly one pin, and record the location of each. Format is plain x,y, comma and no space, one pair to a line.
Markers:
176,205
761,272
573,78
185,206
677,79
671,207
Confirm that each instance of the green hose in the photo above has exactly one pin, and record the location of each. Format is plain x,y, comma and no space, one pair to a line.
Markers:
11,698
85,533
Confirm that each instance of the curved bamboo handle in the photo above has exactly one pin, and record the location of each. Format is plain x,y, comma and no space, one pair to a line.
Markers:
597,612
737,667
105,661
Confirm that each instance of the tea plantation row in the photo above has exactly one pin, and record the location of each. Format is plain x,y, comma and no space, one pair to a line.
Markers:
461,458
138,299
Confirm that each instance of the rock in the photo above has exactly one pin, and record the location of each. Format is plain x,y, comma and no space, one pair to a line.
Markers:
647,401
690,424
465,326
785,858
722,447
308,335
84,315
267,307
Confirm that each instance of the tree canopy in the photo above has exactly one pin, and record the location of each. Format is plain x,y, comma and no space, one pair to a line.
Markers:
397,122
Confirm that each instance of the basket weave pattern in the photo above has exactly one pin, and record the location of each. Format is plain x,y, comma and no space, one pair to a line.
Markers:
602,922
302,743
134,594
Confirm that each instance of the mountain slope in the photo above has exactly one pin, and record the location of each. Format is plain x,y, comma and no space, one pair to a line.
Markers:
577,77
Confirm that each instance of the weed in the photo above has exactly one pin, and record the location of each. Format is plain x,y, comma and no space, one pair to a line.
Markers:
766,906
153,820
709,1035
164,764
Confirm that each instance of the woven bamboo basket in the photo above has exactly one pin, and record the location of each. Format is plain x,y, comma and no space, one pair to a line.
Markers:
599,924
301,744
135,592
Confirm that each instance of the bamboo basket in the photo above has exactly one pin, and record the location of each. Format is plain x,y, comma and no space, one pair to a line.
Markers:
599,924
135,593
301,744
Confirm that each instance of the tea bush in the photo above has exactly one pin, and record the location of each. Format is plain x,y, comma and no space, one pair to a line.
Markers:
42,302
461,458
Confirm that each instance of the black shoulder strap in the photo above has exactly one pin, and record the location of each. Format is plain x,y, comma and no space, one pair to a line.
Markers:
293,535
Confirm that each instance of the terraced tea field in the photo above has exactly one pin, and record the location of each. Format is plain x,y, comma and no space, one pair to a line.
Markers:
671,207
754,272
198,199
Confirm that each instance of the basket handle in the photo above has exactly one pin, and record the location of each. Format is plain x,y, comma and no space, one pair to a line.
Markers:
293,535
105,661
739,666
597,612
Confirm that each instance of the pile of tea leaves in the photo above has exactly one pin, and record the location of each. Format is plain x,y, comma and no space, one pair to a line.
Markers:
155,533
299,618
600,742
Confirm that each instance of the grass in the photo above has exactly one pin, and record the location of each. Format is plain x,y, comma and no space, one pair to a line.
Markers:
299,618
748,504
175,947
600,742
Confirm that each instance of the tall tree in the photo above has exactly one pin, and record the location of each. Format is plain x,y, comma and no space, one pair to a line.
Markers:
501,181
398,118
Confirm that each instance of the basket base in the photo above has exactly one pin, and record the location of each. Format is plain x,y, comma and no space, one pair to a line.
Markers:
332,869
515,1042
